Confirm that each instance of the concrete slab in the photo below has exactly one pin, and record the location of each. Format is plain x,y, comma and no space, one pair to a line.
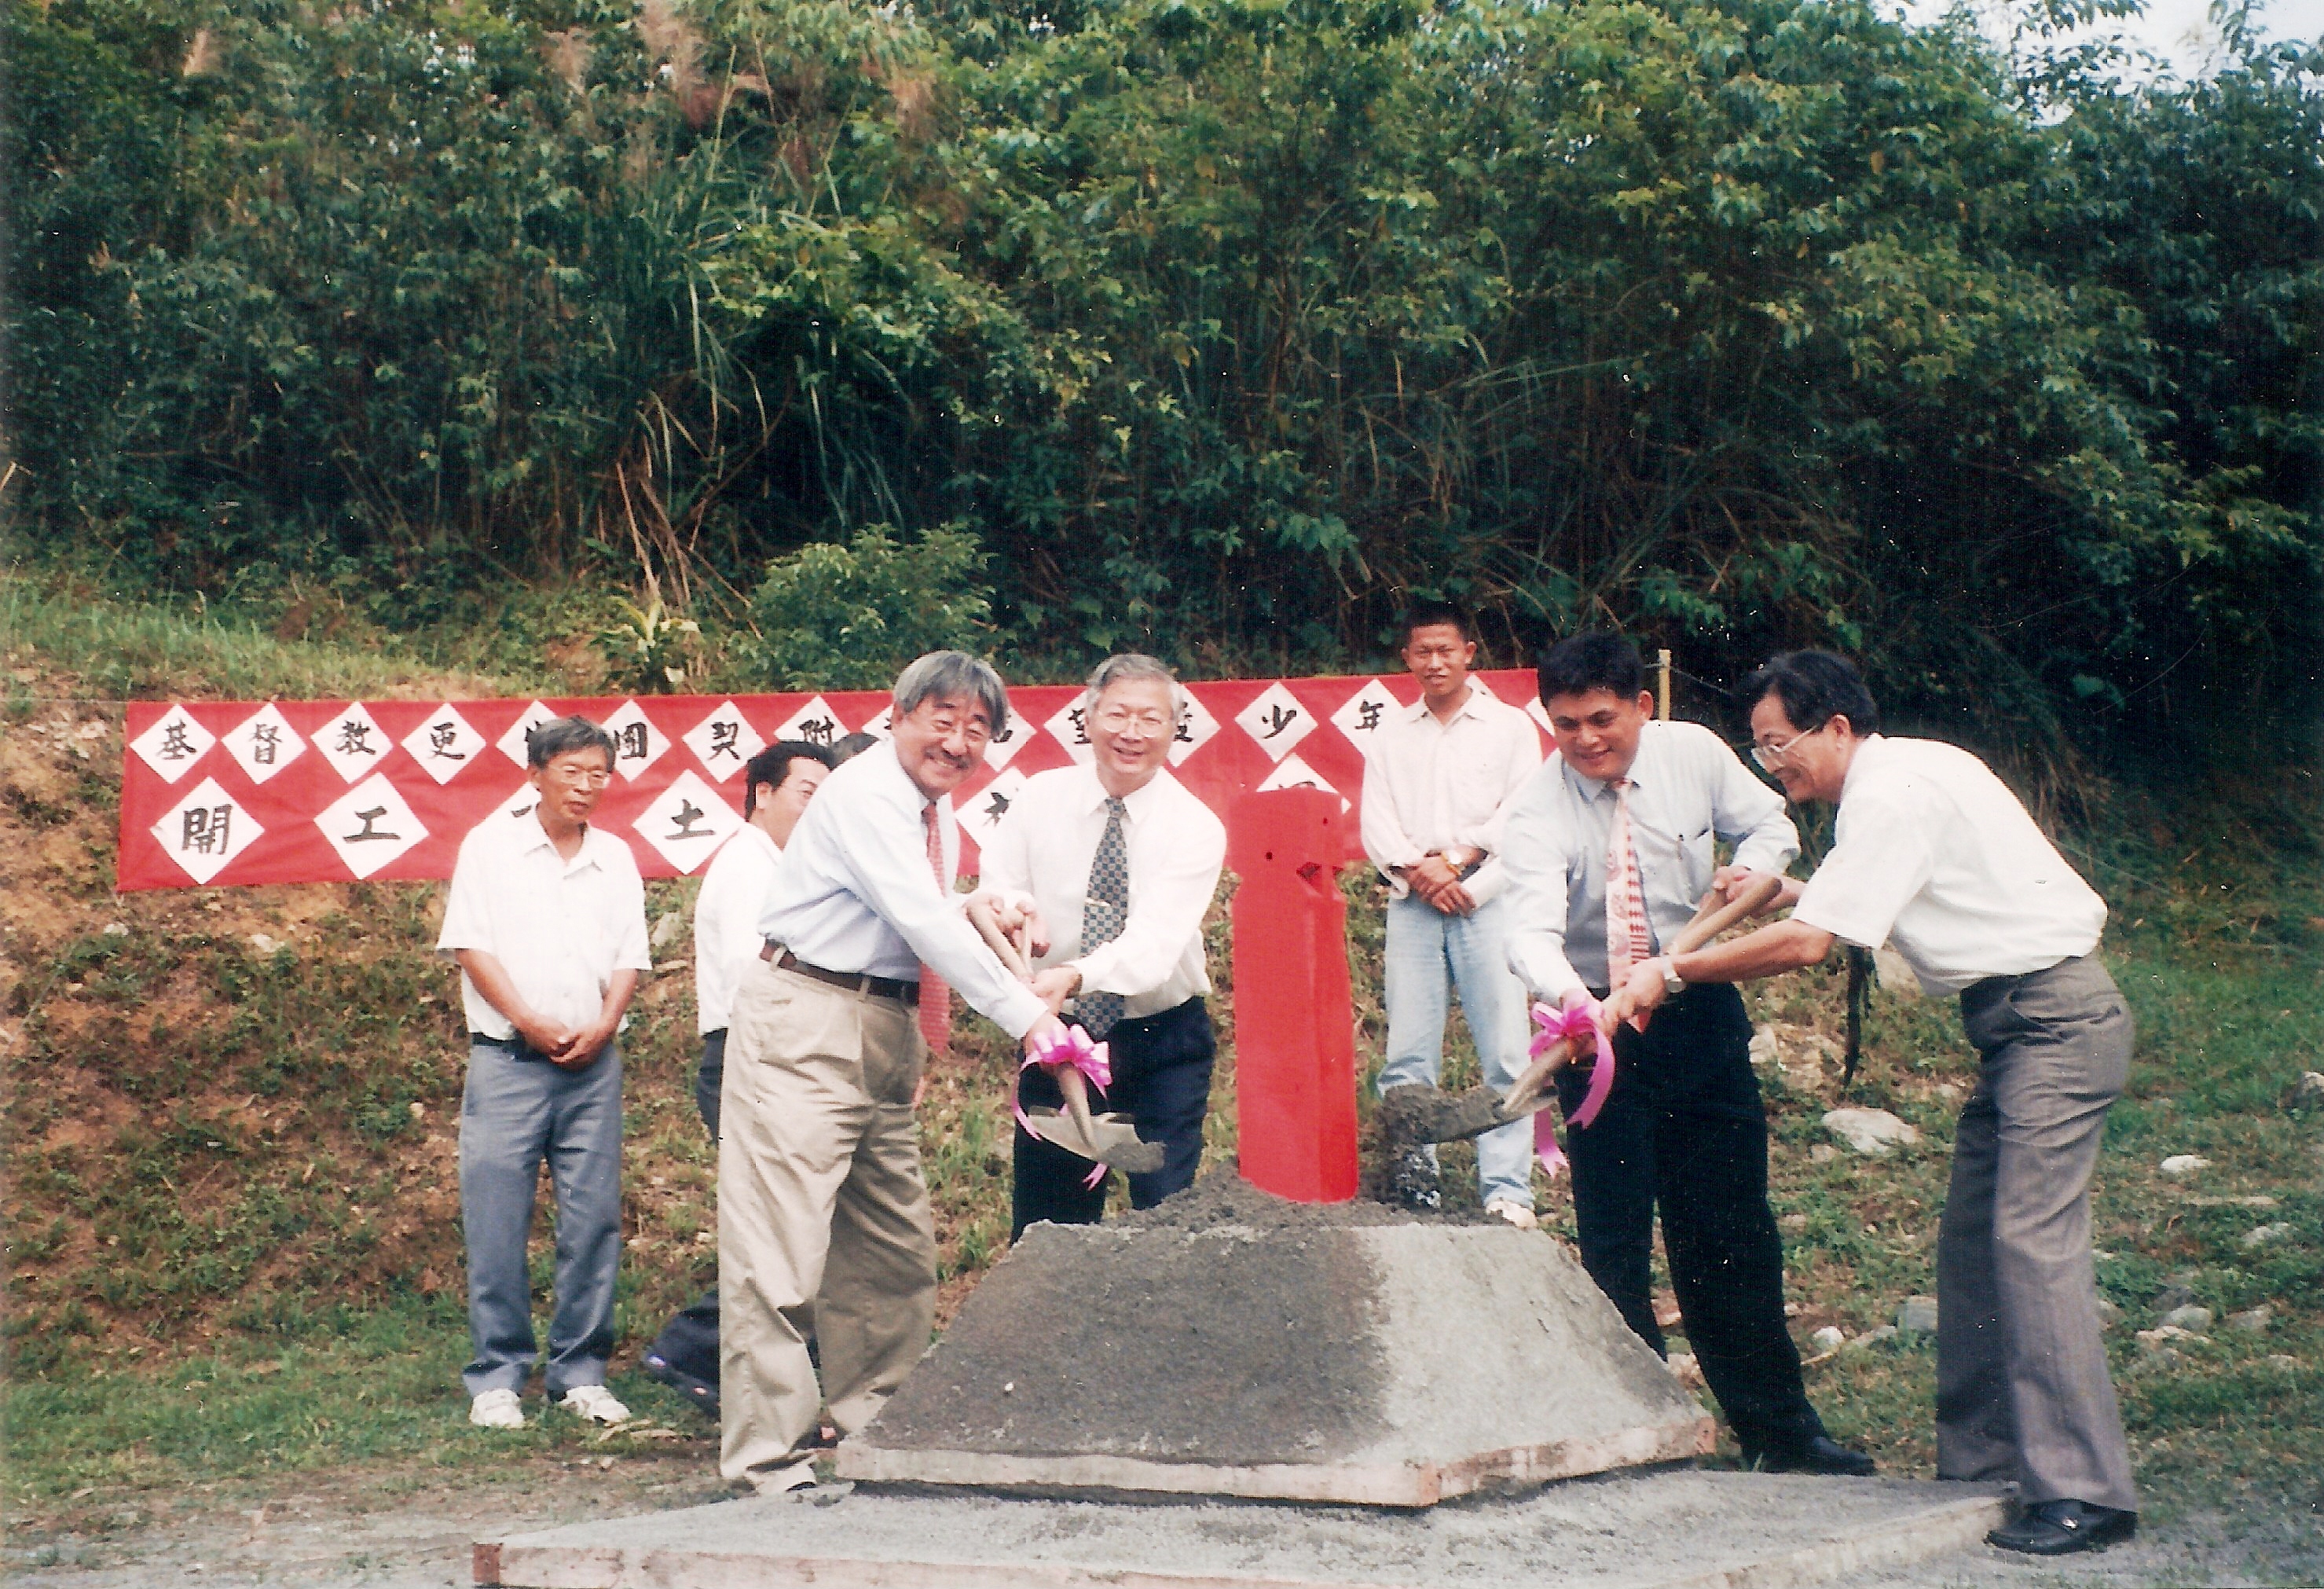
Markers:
1393,1363
1666,1530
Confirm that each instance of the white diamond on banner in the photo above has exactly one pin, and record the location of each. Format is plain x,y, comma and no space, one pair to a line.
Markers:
444,745
515,743
352,742
174,743
370,826
1195,728
1275,720
1539,714
637,744
1002,747
883,726
206,831
1291,772
723,741
980,812
264,743
1363,713
1485,689
687,822
815,723
1070,728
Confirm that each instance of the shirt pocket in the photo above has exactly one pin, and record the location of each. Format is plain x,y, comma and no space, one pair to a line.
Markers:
1698,856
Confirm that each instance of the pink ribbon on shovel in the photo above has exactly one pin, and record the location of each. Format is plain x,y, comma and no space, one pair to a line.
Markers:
1558,1025
1073,1048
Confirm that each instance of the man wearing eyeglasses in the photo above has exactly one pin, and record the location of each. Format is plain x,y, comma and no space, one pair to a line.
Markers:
1609,849
1112,865
1933,854
546,916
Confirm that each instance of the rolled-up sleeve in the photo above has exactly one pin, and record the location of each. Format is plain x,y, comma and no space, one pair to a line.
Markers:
1880,859
1536,848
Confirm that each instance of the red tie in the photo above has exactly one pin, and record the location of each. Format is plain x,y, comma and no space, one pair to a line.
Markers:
936,998
1627,939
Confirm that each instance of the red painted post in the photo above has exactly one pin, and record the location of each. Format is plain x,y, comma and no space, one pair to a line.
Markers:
1295,1020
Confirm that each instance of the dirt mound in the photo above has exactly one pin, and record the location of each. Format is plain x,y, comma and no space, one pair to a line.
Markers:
1223,1197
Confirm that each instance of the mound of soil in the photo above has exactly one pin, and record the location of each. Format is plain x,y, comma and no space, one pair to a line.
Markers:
1223,1197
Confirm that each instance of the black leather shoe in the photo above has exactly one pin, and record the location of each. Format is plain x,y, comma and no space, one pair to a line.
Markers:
1821,1455
701,1392
2060,1527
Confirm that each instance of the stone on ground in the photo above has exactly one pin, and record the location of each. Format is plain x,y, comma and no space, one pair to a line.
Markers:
1873,1132
2252,1321
1917,1316
2260,1236
2191,1318
2179,1166
1262,1350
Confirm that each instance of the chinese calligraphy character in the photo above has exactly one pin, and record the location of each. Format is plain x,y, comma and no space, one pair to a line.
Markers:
354,740
441,738
207,829
682,825
265,742
1081,727
997,807
175,746
369,832
1185,733
1367,715
725,737
1279,718
818,731
630,742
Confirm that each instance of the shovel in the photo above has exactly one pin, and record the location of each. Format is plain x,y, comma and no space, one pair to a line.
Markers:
1422,1114
1107,1139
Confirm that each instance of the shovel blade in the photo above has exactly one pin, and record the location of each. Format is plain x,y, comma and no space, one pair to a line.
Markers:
1112,1139
1422,1114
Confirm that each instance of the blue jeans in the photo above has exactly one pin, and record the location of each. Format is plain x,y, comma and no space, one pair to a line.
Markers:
515,1110
1428,954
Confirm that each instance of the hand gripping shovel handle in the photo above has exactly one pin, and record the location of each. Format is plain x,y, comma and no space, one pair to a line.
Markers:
1071,1084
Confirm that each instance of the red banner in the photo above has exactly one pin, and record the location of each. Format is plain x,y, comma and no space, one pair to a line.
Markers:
228,792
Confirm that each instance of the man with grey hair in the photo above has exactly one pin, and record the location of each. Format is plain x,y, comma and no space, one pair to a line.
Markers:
546,916
1111,866
823,1213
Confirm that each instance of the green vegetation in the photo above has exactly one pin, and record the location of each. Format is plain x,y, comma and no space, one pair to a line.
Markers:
1210,326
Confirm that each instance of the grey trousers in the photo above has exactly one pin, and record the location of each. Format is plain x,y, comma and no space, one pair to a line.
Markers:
2022,1394
513,1113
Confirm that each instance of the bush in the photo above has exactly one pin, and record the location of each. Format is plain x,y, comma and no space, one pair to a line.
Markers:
849,617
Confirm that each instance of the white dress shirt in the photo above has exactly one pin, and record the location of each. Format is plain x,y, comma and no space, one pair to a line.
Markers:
559,928
1934,855
726,920
1432,785
854,891
1686,788
1043,847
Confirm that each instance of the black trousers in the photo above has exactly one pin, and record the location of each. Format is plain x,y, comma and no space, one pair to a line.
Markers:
688,1343
1684,1131
1161,1079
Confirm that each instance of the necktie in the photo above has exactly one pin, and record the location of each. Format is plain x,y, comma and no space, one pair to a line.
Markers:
1103,912
1628,941
936,997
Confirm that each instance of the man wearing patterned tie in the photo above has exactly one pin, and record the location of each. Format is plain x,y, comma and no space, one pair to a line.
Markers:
820,1202
1609,849
1112,866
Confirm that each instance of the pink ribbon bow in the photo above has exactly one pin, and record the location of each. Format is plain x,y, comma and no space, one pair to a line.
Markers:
1558,1025
1073,1048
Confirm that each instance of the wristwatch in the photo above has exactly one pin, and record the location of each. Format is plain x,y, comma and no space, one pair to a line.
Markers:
1672,982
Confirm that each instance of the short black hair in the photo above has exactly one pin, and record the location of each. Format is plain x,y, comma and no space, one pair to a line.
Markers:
561,736
1427,614
1580,663
850,746
1814,687
772,765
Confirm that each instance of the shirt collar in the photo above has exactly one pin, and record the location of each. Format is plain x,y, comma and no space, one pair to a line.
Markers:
1094,795
533,836
1867,751
1594,789
1470,704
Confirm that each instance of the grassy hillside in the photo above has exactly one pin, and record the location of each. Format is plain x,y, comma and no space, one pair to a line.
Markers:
230,1114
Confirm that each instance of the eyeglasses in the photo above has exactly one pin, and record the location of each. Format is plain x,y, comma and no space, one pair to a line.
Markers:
1769,756
582,777
1119,719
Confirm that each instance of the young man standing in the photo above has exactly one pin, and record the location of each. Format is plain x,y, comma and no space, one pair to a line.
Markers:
1437,782
546,917
1933,854
776,784
821,1202
1114,865
1609,849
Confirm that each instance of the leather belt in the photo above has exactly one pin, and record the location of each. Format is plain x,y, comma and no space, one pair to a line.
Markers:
854,981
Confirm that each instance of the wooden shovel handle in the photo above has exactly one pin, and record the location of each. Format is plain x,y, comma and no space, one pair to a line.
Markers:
1012,954
1711,918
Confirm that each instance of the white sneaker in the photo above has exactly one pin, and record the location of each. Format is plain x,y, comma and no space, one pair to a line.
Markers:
496,1409
1517,1214
595,1403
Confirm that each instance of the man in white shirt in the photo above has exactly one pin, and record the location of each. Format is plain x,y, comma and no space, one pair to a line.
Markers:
776,784
1933,854
1118,863
1609,848
821,1201
546,916
1438,778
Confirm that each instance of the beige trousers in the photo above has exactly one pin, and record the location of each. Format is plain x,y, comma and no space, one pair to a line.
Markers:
824,1222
